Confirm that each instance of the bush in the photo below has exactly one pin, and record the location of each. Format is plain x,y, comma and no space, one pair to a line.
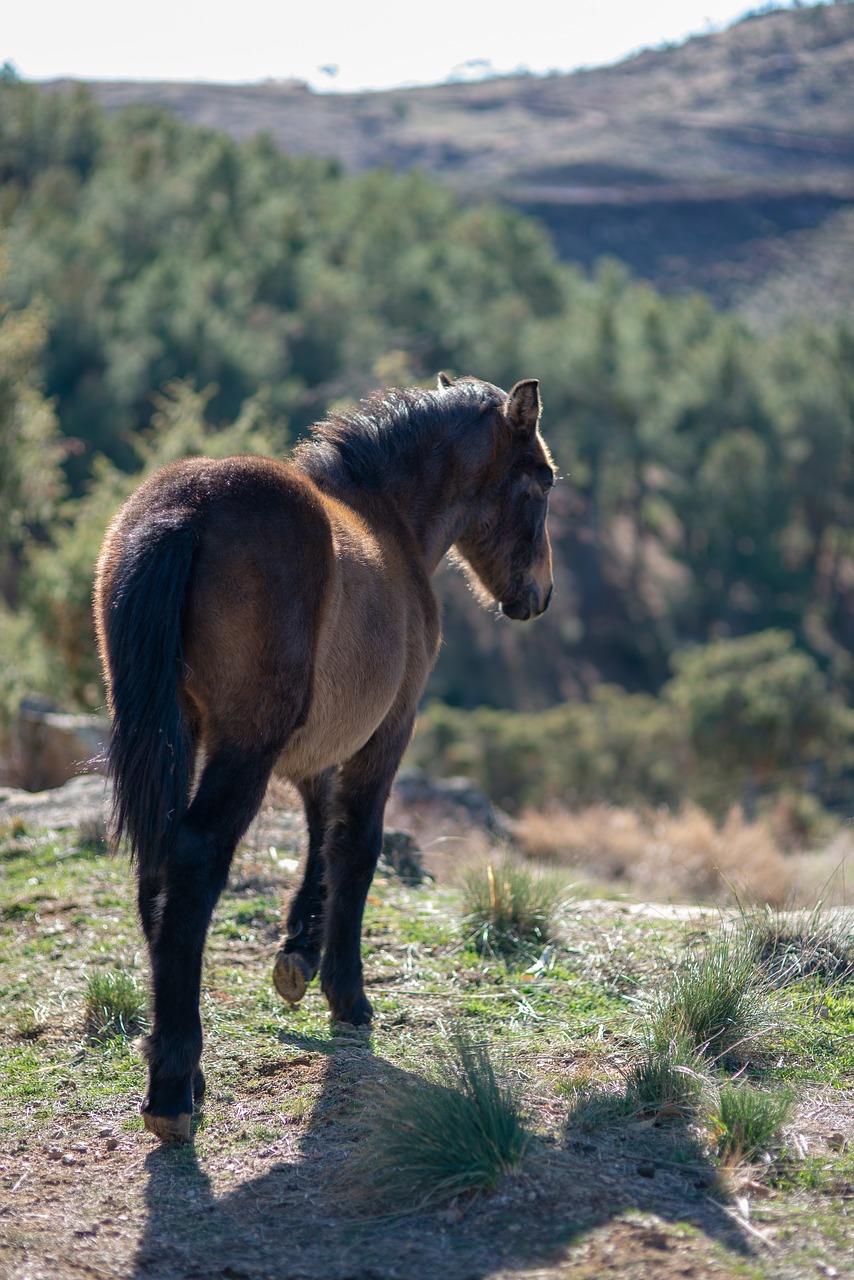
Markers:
662,856
756,708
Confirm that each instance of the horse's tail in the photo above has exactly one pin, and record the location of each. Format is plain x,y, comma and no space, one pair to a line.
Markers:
151,752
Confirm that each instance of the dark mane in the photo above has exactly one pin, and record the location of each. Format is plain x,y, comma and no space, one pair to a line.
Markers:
369,443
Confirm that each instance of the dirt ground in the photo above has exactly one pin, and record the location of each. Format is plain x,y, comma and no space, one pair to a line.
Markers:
265,1190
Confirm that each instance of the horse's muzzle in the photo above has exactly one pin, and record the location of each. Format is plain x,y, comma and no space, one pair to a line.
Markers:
530,604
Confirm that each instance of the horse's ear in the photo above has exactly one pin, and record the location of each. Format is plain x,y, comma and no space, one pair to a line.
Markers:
523,407
444,381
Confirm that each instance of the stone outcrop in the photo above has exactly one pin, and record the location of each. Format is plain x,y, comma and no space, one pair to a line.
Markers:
51,746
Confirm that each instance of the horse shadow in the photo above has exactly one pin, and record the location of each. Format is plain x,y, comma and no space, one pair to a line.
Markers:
295,1219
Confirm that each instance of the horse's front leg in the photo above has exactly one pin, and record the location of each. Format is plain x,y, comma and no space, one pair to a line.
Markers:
298,958
351,849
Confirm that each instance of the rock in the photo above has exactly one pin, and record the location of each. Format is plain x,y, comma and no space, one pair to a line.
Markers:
51,746
402,856
79,804
455,796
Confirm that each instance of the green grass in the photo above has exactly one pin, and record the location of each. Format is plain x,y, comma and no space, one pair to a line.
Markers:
750,1120
792,945
715,1000
508,907
115,1005
831,1175
588,1050
430,1139
667,1083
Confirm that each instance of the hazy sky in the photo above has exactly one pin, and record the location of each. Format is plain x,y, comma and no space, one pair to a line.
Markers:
337,44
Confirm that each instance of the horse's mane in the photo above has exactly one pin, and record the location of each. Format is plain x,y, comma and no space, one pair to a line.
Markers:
391,427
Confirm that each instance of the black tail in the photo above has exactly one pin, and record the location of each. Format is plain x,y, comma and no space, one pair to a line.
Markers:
151,751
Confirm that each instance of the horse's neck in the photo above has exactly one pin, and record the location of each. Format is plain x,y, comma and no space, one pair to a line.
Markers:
436,499
430,495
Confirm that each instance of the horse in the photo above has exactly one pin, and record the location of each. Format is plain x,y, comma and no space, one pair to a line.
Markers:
258,617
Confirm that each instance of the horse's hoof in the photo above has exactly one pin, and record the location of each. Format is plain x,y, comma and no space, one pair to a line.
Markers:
291,976
199,1086
356,1014
168,1128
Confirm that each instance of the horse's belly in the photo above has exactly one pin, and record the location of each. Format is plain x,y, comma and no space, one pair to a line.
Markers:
361,664
326,740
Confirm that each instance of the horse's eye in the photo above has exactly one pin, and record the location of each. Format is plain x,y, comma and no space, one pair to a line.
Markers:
546,479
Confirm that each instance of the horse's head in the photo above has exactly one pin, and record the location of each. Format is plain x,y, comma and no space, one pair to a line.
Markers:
505,543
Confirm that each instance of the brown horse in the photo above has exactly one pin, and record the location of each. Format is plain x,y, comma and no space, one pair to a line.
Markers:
258,616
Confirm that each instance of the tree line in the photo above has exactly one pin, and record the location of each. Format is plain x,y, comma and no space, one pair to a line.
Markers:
165,289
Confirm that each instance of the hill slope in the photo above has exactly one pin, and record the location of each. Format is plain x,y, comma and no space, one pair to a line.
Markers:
708,165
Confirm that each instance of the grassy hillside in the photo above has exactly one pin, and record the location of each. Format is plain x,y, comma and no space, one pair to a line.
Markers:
710,165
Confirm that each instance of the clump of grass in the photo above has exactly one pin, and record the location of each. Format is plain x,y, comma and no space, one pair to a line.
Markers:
790,945
91,836
593,1106
716,1001
508,906
749,1120
667,1082
30,1024
114,1005
428,1140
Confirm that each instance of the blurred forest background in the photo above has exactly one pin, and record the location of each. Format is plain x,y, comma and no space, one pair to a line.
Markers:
167,288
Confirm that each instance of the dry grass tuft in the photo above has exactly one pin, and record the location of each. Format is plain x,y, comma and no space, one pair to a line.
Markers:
790,945
662,855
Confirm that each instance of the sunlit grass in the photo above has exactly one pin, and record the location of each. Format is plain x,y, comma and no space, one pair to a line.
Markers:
114,1005
715,1000
791,945
749,1120
508,907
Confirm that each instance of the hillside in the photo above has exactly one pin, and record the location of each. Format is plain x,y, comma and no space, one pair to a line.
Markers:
722,164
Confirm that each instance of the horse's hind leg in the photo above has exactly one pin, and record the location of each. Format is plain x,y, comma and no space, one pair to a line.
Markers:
148,899
176,920
298,958
352,847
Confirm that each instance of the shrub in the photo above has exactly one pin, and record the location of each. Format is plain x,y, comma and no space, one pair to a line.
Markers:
755,705
662,855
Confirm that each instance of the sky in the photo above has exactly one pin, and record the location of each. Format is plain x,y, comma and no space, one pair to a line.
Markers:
341,45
